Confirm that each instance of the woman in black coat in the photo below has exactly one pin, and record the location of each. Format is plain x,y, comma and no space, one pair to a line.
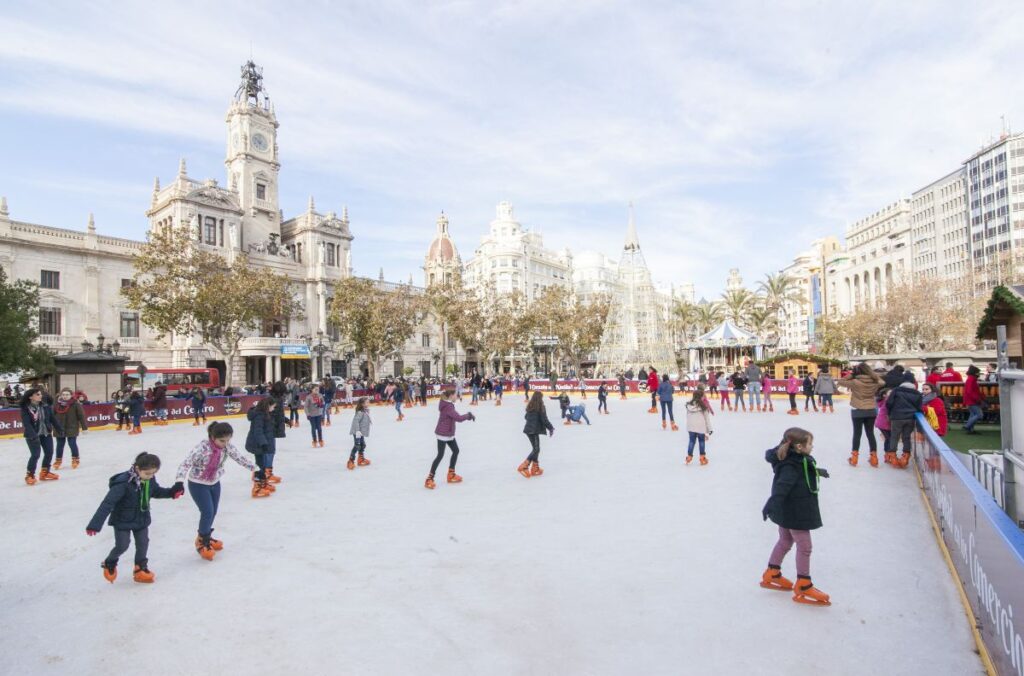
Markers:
261,442
38,425
536,424
793,506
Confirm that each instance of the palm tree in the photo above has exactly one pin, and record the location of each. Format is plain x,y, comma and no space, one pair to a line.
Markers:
683,321
737,303
707,316
779,288
762,320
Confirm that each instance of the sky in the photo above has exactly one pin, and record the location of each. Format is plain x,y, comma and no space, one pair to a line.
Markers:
741,131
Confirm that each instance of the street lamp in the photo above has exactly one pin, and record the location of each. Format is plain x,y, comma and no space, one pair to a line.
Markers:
349,356
436,356
320,348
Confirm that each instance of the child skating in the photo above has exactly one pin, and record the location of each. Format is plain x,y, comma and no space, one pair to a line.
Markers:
360,429
698,424
70,418
602,399
127,505
665,391
203,467
793,506
262,443
536,424
38,427
445,431
314,406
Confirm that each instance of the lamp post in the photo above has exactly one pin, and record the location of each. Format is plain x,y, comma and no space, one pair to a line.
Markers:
349,356
436,356
320,348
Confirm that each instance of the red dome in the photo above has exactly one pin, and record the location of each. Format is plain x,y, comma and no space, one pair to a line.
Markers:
441,248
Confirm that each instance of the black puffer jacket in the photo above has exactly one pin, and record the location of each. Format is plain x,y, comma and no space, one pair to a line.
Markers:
794,500
125,505
537,422
278,415
261,432
904,403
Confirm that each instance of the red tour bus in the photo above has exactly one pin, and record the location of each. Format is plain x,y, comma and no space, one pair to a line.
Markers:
174,379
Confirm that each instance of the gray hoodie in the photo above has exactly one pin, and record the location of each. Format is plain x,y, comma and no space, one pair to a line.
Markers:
825,384
360,424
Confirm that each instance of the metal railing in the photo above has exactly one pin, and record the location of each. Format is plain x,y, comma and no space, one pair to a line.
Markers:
990,477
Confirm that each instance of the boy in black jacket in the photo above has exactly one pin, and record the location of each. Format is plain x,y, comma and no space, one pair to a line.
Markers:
903,405
127,503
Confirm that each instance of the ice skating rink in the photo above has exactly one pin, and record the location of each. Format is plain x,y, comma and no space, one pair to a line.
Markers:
619,560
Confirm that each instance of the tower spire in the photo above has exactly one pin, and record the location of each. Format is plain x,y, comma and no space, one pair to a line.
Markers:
311,207
3,207
92,223
182,172
632,241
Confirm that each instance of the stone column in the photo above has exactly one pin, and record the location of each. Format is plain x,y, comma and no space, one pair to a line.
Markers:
268,373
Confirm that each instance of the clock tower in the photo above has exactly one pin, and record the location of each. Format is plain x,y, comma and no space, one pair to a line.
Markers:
252,161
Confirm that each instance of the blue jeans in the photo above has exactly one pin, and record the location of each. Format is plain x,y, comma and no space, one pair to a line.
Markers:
268,460
975,414
826,400
667,406
694,438
327,411
753,392
207,498
476,393
44,444
161,413
316,427
136,419
70,441
398,407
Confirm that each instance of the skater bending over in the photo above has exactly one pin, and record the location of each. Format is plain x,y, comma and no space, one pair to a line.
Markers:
203,467
793,506
447,417
536,424
127,505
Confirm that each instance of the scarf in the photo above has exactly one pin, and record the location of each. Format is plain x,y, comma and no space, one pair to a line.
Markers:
928,397
212,461
63,406
142,486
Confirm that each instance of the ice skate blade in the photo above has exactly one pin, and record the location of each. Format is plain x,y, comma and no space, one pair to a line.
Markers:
776,587
810,602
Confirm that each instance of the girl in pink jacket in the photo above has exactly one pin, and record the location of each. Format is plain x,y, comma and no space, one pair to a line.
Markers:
445,432
793,385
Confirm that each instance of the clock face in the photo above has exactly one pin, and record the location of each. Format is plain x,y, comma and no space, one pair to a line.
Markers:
259,142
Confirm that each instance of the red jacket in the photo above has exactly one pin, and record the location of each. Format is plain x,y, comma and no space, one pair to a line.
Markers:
972,393
939,407
950,376
933,380
652,381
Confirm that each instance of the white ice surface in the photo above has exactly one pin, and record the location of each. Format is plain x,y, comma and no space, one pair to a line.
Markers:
619,560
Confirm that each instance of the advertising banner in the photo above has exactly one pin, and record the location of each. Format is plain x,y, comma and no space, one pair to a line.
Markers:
295,352
987,548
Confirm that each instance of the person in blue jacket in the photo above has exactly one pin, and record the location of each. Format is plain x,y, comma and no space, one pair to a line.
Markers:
399,397
573,414
127,505
665,391
198,402
38,426
137,409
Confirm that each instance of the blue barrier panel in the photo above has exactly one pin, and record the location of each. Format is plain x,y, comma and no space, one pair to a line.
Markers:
986,546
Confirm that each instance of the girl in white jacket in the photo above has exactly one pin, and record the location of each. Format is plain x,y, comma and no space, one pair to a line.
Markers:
698,423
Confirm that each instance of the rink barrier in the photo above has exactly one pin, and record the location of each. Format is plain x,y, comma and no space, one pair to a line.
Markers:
983,547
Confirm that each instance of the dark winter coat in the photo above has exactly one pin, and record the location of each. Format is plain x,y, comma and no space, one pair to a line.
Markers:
278,416
447,417
198,401
794,500
808,385
261,432
537,422
738,381
894,377
159,397
43,424
399,394
665,390
124,503
904,403
72,419
136,404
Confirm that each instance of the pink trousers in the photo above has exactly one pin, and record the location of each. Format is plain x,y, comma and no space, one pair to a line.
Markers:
802,538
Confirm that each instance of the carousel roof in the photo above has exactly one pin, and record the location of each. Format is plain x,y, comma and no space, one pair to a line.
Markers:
726,334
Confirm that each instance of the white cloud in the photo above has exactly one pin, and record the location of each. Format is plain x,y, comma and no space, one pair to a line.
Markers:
736,127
